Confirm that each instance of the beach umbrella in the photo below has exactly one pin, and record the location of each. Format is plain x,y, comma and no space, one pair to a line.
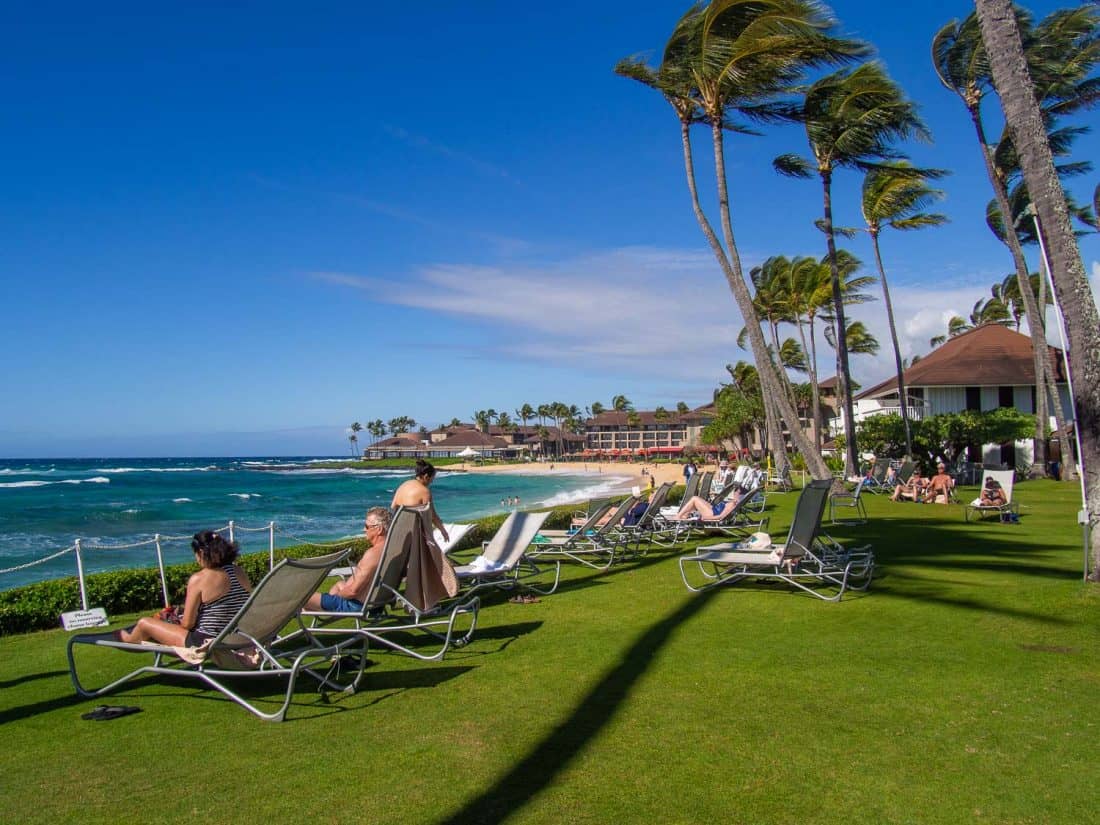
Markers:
469,452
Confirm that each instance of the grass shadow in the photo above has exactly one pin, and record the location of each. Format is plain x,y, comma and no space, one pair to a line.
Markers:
552,755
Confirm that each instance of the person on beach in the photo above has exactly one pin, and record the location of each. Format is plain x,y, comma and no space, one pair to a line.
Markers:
723,477
215,594
940,486
416,493
689,470
347,596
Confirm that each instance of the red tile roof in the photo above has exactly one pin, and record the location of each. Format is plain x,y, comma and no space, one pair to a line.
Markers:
989,356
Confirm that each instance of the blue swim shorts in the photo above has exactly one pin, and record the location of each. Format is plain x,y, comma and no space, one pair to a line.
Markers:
338,604
718,508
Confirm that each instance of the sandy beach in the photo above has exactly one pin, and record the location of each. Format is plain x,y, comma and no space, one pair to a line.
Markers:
630,470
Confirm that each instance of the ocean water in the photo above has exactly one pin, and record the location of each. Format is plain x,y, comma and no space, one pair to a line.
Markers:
45,505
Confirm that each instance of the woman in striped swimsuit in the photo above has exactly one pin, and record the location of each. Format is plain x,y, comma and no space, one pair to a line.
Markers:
214,596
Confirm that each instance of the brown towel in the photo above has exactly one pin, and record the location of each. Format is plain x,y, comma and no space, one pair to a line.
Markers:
430,576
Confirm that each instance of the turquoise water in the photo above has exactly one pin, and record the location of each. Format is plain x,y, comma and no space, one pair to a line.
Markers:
45,505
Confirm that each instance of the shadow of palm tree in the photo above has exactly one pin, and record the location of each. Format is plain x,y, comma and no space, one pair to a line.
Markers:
553,754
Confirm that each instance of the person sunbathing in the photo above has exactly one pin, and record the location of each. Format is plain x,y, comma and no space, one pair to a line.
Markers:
993,495
701,509
347,596
215,594
940,486
913,489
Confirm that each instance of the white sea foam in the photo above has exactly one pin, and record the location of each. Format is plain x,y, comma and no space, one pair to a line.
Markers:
180,500
93,480
7,471
155,469
245,496
612,484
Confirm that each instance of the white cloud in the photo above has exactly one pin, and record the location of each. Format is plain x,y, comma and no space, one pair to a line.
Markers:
664,313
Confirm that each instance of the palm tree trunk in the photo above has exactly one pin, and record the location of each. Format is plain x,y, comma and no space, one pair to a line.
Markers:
814,392
844,378
819,422
731,265
1023,283
1010,76
902,397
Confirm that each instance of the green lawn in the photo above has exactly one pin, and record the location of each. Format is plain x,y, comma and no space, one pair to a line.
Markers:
958,689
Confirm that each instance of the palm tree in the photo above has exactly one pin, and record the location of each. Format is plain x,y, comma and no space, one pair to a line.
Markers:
682,408
353,437
596,408
377,429
729,62
504,421
852,118
962,64
898,200
620,403
1025,122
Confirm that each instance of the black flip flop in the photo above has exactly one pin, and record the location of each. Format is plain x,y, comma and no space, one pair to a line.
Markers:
104,712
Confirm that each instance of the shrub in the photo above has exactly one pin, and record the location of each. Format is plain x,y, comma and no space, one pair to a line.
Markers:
39,606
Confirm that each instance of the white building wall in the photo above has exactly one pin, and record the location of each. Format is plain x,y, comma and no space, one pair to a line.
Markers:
1021,399
943,400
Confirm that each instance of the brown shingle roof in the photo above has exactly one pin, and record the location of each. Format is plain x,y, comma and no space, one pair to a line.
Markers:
470,438
989,356
398,441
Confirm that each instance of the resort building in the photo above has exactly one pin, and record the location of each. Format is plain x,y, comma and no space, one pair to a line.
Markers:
983,369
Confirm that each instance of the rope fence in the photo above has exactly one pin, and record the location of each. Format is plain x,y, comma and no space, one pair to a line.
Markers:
80,547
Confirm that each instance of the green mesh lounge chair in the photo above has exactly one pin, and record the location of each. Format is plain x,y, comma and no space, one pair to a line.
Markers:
405,603
807,560
250,646
594,545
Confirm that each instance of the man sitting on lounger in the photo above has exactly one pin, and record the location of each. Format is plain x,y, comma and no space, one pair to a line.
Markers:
940,486
347,596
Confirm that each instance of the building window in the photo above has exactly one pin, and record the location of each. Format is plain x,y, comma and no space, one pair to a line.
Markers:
974,398
1004,397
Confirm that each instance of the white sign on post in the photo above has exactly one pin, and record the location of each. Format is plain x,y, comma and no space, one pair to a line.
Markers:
81,619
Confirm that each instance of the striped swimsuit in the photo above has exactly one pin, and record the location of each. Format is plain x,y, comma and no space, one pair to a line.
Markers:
215,615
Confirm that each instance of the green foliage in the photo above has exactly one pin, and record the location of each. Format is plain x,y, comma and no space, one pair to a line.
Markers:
943,436
39,606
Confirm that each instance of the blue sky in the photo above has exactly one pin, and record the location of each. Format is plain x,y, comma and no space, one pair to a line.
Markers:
234,229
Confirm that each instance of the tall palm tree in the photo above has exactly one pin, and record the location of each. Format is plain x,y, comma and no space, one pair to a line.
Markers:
377,429
596,408
852,119
897,200
962,64
729,63
353,437
682,408
620,403
525,414
1023,115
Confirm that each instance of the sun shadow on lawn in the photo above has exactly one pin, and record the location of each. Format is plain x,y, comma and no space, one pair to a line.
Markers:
553,754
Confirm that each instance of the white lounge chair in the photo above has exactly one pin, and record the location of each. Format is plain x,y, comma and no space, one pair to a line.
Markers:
504,563
1005,479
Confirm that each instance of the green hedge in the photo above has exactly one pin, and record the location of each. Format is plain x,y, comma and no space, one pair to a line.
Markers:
39,606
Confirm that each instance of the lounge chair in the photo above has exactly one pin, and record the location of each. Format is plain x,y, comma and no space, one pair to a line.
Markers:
649,528
876,482
780,480
808,560
391,612
504,563
704,484
596,547
1005,479
691,487
853,500
250,645
738,522
455,534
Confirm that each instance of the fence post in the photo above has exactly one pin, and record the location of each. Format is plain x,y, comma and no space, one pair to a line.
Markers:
160,566
80,577
271,545
230,531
